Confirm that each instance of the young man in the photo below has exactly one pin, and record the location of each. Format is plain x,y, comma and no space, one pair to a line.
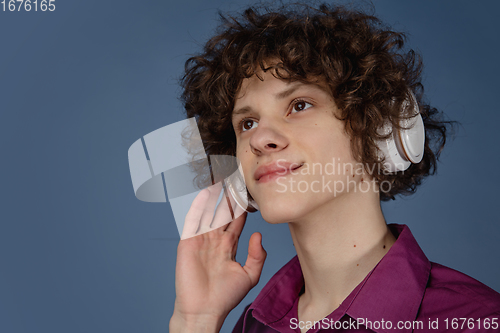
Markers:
302,97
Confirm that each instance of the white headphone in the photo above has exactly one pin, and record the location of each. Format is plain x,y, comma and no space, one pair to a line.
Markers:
401,149
236,185
406,146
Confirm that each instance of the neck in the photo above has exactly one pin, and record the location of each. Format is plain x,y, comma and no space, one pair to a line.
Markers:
337,247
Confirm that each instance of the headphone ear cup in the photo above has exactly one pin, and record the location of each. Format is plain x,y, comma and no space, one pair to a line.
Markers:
404,146
236,185
390,150
227,169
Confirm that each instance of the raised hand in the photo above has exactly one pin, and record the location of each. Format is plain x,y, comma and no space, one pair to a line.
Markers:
209,282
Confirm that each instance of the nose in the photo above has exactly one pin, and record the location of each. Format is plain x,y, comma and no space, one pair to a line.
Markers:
267,139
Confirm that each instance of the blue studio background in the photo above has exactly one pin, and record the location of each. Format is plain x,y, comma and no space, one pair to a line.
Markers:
78,251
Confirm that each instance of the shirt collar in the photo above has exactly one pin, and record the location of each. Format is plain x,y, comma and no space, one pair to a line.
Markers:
392,291
398,283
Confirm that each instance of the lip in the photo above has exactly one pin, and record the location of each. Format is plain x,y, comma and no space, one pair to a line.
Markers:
274,170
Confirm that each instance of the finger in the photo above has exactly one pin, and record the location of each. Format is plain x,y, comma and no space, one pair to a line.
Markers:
227,211
209,209
238,212
193,217
236,226
255,259
223,213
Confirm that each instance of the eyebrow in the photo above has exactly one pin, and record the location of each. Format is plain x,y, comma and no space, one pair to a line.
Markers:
242,110
281,95
289,91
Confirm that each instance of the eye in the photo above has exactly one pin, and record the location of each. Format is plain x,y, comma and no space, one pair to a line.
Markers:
248,124
300,106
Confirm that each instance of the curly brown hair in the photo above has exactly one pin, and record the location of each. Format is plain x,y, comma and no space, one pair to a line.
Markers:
362,61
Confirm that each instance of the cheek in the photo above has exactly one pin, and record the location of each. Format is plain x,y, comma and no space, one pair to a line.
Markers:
331,149
325,145
243,155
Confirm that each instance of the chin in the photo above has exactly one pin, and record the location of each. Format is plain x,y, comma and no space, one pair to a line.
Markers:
282,211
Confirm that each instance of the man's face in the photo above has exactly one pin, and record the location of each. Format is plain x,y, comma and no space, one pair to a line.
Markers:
295,154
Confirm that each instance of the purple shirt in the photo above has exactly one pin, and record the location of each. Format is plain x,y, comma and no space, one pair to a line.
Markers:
405,292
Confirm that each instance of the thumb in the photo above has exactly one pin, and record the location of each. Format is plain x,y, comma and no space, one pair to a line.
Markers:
255,259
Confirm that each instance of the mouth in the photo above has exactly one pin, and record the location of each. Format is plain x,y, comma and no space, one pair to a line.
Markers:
273,173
